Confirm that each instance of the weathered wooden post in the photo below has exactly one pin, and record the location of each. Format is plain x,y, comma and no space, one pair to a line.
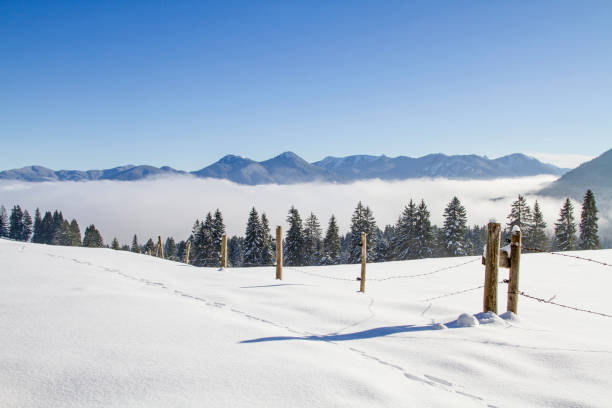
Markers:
279,252
149,251
515,263
187,252
491,267
224,251
160,246
364,254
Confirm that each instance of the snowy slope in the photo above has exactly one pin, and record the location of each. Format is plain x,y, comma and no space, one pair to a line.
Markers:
100,328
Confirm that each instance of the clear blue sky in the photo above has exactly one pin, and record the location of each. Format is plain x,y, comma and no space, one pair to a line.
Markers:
88,84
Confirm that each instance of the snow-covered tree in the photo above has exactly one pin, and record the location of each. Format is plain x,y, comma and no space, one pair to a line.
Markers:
267,250
362,221
4,222
331,244
404,244
170,249
234,251
75,233
37,224
520,214
93,239
589,237
293,251
454,229
312,240
535,235
135,247
565,228
423,233
217,231
253,240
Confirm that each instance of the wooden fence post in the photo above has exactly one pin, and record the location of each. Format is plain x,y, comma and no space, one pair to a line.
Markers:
160,246
279,252
149,251
364,255
515,263
187,252
491,267
224,251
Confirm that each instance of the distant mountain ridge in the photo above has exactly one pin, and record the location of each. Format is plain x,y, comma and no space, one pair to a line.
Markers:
289,168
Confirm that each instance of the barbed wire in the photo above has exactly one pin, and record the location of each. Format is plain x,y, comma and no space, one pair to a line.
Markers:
459,292
566,255
418,275
319,275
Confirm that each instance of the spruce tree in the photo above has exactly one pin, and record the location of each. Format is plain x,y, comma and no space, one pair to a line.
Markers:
4,222
520,215
362,221
535,236
589,237
65,234
216,234
234,251
267,252
149,246
36,238
170,249
294,252
565,228
115,244
312,240
423,233
92,238
135,247
26,232
383,250
46,229
454,229
16,223
75,233
253,240
404,244
331,244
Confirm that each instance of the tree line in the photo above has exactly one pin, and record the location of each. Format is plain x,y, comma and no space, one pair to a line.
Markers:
413,236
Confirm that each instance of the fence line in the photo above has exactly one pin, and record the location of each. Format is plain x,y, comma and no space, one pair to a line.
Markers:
566,255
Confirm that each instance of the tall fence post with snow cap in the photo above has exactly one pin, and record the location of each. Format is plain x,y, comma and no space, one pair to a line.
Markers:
364,255
224,251
491,267
160,246
515,263
187,252
279,253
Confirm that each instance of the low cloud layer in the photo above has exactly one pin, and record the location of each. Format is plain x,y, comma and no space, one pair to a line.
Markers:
169,206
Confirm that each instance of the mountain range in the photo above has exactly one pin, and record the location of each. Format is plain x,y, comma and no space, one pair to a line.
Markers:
289,168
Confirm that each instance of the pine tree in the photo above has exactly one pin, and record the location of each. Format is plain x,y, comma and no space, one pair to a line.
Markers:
234,251
65,234
589,237
362,221
331,244
36,238
26,232
58,220
520,215
423,233
383,251
4,222
216,234
170,249
115,244
535,236
312,240
92,238
75,233
454,229
267,252
253,240
404,244
135,247
565,228
148,248
46,229
478,238
294,253
16,223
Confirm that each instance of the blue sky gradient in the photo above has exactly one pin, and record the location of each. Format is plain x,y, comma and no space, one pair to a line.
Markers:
99,84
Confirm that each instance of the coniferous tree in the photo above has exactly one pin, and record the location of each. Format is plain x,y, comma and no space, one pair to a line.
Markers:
4,222
92,238
589,237
565,228
57,221
125,247
37,224
423,232
454,229
404,244
26,233
312,240
535,236
331,244
253,240
75,233
115,244
520,215
216,234
16,223
170,249
267,252
135,247
362,221
46,229
234,251
293,252
65,234
382,252
148,248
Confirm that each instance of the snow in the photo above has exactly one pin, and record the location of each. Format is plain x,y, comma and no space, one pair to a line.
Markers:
101,328
467,320
516,230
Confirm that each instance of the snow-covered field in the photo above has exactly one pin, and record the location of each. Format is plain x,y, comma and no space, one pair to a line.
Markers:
86,327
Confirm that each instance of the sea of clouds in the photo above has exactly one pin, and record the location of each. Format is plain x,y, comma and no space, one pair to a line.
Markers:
169,206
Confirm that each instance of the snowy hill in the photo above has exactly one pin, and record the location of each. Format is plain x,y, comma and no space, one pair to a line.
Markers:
100,328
